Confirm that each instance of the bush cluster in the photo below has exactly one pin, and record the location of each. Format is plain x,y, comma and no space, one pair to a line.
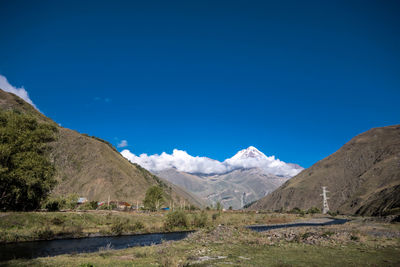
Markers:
200,219
312,210
176,219
124,225
90,205
60,203
215,216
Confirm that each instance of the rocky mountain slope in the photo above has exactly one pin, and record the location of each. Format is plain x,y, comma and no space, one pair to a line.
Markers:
235,188
363,177
92,167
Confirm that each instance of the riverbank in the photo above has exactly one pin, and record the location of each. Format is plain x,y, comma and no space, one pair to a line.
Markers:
360,242
33,226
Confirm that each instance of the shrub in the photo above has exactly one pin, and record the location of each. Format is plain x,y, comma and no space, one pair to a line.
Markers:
313,210
166,260
138,225
215,216
53,204
119,226
306,235
44,233
74,230
192,207
200,220
92,205
295,210
71,201
57,221
332,213
328,234
176,219
105,206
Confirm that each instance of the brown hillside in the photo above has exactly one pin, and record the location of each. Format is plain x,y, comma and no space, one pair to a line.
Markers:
92,168
363,177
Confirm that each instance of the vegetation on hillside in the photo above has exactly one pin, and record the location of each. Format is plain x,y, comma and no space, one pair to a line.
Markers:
87,166
101,140
26,174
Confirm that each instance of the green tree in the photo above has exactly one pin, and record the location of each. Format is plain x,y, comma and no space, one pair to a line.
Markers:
26,174
154,198
219,206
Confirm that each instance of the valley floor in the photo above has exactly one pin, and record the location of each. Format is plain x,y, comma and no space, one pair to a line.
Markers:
225,242
31,226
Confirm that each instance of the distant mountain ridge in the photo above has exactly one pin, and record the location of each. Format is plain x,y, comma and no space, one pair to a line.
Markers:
92,167
363,177
233,189
247,176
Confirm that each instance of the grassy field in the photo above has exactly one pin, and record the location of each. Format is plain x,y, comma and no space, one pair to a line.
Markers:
28,226
225,242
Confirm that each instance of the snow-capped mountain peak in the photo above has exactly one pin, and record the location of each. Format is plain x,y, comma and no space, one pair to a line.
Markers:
244,159
250,152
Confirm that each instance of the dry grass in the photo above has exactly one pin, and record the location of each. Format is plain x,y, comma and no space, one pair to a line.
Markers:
227,245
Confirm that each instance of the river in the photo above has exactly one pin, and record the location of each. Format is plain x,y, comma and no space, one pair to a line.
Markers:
34,249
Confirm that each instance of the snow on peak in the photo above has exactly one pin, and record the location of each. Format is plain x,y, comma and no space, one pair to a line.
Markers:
250,152
182,161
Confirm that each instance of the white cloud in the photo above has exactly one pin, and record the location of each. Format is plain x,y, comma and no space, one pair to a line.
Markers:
182,161
269,164
123,143
179,159
21,92
100,99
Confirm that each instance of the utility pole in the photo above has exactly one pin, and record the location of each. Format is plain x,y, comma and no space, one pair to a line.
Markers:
324,200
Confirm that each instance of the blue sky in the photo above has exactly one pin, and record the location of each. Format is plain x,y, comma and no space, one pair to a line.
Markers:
296,79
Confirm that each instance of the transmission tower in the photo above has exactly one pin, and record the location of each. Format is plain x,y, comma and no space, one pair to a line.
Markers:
325,200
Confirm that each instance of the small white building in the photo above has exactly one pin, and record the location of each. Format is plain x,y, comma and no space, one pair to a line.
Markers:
82,200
